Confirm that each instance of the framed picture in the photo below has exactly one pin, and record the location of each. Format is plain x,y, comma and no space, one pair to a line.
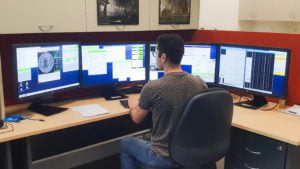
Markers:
118,12
174,11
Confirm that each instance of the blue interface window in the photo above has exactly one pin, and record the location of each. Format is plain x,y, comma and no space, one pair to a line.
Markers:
113,63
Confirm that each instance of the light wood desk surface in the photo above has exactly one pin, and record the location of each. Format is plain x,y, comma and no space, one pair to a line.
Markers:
62,120
273,124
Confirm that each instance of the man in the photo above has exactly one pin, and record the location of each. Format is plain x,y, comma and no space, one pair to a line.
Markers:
165,98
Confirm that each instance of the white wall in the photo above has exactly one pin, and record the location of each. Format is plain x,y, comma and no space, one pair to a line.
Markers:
223,15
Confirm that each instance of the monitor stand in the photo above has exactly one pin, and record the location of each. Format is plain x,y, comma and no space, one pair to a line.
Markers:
111,94
46,110
257,102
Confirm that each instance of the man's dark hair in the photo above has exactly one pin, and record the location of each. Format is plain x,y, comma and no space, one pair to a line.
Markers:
172,46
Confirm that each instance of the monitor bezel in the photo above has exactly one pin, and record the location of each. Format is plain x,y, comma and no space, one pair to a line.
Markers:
116,84
48,93
255,47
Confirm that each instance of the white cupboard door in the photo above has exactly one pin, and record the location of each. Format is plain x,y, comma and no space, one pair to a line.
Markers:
37,16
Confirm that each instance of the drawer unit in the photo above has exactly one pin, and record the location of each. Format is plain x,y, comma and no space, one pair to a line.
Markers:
252,151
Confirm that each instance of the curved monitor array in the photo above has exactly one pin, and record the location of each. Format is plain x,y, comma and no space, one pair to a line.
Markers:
45,68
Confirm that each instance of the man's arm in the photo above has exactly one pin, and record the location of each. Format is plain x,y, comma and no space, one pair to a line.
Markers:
136,112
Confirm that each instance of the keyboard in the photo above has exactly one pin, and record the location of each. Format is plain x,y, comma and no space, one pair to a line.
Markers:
124,103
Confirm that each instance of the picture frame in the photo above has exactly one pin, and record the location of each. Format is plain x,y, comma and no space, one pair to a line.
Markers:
118,12
174,11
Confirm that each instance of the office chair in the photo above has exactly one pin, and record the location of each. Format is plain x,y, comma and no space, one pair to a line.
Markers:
202,134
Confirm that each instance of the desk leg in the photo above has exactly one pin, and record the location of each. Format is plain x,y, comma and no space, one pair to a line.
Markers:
5,156
292,159
21,153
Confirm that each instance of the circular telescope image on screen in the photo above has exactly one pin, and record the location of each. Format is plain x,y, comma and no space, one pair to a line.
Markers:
46,63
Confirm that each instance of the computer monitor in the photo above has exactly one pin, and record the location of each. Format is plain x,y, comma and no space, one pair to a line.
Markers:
154,71
261,71
109,65
45,68
199,59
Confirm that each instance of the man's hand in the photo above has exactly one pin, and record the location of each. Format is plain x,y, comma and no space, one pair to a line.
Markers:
137,114
133,102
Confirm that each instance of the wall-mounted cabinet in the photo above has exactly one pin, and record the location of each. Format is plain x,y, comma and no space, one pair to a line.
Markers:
269,10
297,10
246,10
285,10
154,17
37,16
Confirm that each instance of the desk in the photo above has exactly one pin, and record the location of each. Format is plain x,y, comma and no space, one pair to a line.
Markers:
272,137
31,135
273,124
63,120
66,136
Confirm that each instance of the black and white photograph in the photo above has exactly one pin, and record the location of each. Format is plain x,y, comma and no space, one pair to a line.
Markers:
118,12
174,11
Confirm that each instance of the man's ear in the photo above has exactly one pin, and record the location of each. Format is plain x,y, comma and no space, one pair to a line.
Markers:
164,58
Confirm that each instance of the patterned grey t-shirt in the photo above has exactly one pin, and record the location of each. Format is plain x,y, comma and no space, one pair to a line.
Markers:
166,98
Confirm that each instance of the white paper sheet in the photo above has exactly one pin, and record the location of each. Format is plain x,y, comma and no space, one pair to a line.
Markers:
295,110
89,110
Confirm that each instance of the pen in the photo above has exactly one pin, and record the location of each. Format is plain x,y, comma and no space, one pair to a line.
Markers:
292,112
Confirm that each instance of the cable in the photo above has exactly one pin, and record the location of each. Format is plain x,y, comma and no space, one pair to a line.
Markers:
6,127
270,108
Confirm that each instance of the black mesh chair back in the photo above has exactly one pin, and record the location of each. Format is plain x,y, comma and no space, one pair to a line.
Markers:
202,134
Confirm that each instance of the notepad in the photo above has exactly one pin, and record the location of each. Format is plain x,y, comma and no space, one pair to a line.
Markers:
90,110
295,110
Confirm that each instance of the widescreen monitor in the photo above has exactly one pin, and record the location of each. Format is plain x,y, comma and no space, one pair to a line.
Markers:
199,59
113,64
45,68
262,71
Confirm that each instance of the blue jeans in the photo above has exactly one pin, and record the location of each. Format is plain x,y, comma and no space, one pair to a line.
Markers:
134,150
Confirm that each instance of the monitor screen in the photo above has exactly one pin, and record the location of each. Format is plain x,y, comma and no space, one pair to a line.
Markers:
154,72
198,59
106,64
46,68
258,70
